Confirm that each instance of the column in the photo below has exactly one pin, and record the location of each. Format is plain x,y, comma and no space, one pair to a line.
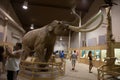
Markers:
5,30
109,33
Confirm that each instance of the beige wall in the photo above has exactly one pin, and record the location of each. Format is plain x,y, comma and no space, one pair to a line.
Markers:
115,13
1,28
75,41
101,31
96,33
13,34
116,20
12,29
61,44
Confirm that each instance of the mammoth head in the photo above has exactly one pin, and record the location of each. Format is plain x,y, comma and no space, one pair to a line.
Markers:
58,27
62,27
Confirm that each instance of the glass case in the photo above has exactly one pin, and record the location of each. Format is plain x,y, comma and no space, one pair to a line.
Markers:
83,54
103,55
97,55
117,55
86,53
93,53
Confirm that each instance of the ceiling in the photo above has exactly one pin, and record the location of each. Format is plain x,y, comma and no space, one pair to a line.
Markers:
42,12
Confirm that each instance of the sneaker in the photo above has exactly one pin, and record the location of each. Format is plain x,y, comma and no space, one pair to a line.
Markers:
90,72
72,68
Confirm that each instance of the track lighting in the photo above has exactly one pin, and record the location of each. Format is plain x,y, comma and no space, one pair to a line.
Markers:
25,5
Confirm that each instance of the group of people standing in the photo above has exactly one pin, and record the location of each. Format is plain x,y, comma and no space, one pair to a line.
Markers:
12,60
73,59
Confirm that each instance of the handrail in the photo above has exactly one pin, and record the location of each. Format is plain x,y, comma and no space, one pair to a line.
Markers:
103,70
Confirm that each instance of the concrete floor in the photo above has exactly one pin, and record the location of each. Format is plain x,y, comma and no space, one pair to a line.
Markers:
80,73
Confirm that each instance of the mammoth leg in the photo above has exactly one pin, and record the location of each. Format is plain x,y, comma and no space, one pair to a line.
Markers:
26,52
48,53
40,53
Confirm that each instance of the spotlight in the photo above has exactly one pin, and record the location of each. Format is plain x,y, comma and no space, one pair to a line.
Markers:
32,26
60,38
25,5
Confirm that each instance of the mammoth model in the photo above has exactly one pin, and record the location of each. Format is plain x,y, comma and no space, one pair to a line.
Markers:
42,40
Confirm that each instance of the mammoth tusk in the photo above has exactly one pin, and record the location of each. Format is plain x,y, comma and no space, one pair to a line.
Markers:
80,29
91,20
77,17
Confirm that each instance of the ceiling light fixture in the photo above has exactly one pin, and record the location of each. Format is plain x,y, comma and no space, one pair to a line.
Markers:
60,38
25,5
32,26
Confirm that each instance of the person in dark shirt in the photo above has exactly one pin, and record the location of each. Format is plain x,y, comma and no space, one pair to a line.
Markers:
1,58
90,61
61,54
73,59
1,53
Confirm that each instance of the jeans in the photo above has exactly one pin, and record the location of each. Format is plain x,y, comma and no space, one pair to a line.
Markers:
12,75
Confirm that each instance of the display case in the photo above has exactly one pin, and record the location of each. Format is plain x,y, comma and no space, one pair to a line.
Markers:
82,56
103,55
98,55
117,55
86,54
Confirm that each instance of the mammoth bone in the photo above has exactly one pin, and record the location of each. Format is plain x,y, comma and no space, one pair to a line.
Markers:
82,28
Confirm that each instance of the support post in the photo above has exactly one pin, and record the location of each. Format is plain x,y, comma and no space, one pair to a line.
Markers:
109,32
5,30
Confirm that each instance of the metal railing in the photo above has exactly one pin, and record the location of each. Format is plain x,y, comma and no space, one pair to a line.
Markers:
106,72
42,70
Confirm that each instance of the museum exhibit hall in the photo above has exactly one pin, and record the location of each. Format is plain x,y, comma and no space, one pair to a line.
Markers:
59,40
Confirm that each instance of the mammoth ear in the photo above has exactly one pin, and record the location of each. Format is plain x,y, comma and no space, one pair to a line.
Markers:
52,25
50,28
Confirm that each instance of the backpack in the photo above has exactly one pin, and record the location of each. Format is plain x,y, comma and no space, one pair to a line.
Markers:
74,56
